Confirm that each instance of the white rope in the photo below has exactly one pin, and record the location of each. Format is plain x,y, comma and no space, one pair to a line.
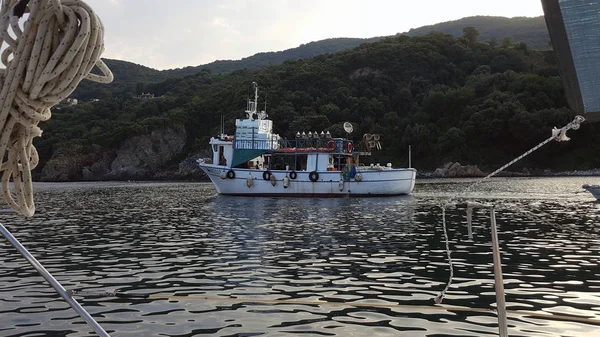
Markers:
60,43
440,297
557,134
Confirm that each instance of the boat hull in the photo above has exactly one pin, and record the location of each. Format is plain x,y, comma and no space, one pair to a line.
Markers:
374,183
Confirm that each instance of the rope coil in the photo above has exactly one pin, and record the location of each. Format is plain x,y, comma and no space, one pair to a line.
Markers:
61,41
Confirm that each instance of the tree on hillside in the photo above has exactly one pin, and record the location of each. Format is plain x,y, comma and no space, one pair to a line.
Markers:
470,34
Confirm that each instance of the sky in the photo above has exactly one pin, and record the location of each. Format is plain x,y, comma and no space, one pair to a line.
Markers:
166,34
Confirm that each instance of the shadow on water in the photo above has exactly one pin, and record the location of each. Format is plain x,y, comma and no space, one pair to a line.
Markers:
181,239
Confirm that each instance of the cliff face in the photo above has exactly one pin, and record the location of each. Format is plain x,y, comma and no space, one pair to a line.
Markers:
143,156
151,156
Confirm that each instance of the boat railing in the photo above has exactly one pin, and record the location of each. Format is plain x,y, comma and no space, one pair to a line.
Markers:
256,144
333,145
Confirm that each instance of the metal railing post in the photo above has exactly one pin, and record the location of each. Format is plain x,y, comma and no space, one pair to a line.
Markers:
498,280
470,222
53,282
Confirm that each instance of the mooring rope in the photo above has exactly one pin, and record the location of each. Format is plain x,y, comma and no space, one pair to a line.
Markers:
60,43
557,134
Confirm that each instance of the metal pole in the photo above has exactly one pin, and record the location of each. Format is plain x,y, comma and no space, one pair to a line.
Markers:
409,157
53,282
470,222
500,300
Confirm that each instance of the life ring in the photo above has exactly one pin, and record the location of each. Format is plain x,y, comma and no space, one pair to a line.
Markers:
313,176
350,147
293,175
331,145
230,174
267,175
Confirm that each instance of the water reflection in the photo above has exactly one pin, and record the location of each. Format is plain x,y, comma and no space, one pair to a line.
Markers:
182,239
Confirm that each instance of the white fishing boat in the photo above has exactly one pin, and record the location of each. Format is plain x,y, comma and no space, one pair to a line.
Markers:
255,161
594,189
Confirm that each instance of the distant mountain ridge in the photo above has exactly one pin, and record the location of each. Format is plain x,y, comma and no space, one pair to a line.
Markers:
265,59
131,77
532,31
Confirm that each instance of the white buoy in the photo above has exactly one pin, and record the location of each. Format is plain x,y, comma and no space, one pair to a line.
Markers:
341,184
273,181
358,177
223,175
286,182
249,181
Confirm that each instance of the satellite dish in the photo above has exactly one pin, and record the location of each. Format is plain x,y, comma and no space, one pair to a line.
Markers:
348,127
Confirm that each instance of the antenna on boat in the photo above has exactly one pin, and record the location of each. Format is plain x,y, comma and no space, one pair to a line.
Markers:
222,125
255,108
265,101
255,96
252,107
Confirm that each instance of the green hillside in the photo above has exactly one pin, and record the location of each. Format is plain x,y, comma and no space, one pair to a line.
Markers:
263,60
450,98
129,77
531,31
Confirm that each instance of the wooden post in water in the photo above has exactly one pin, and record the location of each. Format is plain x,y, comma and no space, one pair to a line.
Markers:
498,280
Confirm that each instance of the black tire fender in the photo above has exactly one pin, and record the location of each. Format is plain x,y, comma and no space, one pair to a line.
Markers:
267,175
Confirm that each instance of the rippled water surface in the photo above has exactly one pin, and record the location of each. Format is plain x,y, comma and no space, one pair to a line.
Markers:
182,239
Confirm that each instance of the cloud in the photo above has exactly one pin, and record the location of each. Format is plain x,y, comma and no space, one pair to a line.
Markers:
220,22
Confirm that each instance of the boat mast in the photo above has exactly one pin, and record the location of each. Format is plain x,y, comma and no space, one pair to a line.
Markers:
222,126
255,108
255,95
252,108
265,102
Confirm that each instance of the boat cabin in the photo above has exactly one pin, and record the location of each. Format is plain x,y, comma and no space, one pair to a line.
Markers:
255,146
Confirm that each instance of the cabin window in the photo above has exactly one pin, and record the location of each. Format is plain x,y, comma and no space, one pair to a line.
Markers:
215,148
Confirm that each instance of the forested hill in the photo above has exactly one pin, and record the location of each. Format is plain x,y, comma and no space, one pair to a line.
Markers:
263,60
496,29
128,75
452,99
129,78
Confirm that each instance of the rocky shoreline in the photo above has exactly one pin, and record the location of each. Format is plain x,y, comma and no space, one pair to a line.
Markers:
456,170
159,155
188,170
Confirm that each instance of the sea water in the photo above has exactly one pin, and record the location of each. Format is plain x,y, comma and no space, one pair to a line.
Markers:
166,239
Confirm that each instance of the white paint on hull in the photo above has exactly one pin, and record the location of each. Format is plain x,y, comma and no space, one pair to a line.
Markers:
374,182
